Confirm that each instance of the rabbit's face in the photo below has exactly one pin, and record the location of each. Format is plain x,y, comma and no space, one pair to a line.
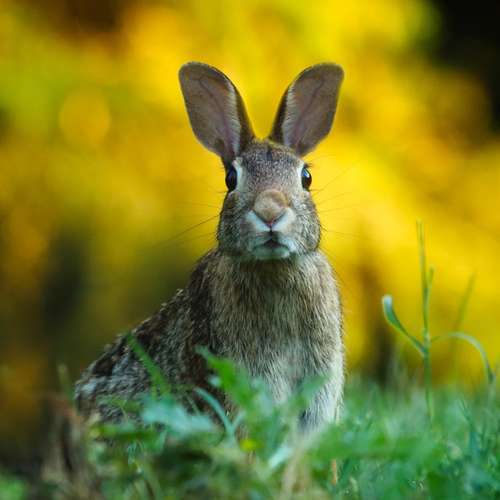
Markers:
268,212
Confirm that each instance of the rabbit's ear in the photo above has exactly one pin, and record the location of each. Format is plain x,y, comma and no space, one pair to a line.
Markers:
306,111
216,110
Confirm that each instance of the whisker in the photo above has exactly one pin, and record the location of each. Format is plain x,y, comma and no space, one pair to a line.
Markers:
337,275
334,231
321,202
344,220
338,176
184,216
349,207
192,203
181,242
340,233
118,279
185,231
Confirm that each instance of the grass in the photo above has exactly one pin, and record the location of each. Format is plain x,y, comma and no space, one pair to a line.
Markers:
423,346
403,441
385,447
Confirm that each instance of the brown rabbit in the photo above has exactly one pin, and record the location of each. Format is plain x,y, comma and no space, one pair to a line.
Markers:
265,297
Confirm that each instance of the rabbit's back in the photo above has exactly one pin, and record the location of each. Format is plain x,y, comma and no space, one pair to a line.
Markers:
119,373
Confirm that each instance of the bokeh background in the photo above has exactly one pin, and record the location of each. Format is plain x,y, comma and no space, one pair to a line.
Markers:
107,200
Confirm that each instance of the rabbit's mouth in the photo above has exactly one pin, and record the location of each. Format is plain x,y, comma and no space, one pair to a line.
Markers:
271,244
271,247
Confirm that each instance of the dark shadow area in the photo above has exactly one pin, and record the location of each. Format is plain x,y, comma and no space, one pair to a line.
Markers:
470,40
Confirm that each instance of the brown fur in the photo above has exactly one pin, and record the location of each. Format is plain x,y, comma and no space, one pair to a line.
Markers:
265,297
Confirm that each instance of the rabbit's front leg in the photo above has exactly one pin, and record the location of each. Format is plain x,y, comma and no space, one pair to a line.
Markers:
323,409
326,404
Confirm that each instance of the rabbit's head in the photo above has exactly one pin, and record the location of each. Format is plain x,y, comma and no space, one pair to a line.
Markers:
268,212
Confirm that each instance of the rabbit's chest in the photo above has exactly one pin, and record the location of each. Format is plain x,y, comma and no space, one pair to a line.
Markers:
283,363
282,343
283,328
282,366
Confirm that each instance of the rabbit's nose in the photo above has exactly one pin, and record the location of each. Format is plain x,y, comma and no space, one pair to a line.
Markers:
270,206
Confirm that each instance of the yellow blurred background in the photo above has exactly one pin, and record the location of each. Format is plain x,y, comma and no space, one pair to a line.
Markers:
107,200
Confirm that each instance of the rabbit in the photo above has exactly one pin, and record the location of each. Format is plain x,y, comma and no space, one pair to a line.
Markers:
265,297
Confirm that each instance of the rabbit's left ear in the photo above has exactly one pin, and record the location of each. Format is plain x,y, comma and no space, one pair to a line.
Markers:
306,111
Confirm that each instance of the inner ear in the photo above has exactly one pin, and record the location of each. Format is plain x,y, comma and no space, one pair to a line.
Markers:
216,110
307,108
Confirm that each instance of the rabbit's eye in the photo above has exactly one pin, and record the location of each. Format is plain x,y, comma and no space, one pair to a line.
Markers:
231,179
306,178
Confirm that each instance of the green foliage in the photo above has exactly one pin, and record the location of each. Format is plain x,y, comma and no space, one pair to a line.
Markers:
12,488
423,347
384,446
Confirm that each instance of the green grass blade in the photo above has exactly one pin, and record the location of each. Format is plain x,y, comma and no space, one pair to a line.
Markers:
464,303
393,320
219,411
426,279
158,381
475,343
423,272
426,306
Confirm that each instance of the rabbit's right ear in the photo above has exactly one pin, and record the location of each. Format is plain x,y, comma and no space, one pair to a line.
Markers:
216,110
